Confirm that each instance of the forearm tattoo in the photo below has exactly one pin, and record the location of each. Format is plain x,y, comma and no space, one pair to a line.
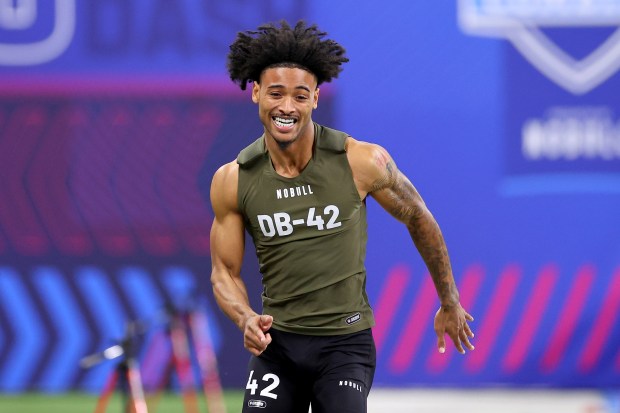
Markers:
406,205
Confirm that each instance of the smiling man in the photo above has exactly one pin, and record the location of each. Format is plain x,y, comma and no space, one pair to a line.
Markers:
300,192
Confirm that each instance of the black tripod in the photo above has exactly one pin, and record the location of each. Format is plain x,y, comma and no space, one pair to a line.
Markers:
186,330
126,375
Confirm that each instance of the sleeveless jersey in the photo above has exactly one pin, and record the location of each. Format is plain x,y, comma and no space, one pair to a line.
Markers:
310,238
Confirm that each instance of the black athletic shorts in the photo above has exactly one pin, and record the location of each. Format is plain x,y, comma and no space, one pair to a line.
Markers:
331,373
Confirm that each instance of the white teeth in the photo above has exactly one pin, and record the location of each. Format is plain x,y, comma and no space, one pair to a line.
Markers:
283,122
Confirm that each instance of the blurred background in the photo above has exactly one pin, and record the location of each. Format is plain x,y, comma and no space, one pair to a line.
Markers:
505,114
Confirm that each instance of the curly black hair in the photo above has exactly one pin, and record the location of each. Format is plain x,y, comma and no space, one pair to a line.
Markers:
302,46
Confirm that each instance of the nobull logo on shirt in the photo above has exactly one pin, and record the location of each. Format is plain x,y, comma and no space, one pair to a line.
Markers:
522,22
294,191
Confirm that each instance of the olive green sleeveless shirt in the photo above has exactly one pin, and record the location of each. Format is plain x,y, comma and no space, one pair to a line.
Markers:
310,238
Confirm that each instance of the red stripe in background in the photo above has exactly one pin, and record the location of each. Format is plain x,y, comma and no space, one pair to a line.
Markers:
534,310
470,286
569,314
495,316
120,85
126,84
603,326
421,313
389,300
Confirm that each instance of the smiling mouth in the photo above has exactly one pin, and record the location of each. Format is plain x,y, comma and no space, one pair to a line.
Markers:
281,122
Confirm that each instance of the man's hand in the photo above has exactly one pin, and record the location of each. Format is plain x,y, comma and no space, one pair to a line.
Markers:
452,320
255,336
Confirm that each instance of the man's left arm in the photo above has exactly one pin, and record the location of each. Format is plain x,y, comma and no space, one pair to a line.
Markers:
374,168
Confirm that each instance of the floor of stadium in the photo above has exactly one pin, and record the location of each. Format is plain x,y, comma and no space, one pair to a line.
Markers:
493,400
381,400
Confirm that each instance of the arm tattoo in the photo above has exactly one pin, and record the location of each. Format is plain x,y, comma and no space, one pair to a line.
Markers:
406,205
386,179
390,172
404,201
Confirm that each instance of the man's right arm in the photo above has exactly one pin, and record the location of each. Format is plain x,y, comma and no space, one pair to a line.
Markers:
227,247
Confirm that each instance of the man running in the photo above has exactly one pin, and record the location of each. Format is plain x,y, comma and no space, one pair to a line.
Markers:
300,191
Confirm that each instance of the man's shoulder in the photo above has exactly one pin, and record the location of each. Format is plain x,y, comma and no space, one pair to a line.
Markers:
331,139
342,141
362,149
368,162
226,174
251,153
224,187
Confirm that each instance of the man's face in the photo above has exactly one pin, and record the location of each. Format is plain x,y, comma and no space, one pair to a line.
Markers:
286,98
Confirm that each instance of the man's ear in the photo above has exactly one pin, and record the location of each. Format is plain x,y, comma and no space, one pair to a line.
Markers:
316,98
255,92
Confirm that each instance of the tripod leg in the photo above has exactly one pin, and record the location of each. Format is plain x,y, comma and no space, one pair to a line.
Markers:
135,387
104,397
157,365
207,361
183,365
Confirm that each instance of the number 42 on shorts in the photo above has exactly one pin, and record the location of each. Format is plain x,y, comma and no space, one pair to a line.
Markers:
272,379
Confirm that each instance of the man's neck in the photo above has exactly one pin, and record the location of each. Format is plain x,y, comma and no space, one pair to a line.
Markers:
290,160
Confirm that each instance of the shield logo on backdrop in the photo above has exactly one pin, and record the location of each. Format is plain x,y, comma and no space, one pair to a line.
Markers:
25,38
521,21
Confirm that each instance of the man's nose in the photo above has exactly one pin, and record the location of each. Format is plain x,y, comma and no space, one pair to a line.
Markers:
287,105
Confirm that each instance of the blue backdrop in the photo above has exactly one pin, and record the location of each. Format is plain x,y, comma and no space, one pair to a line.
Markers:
114,114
